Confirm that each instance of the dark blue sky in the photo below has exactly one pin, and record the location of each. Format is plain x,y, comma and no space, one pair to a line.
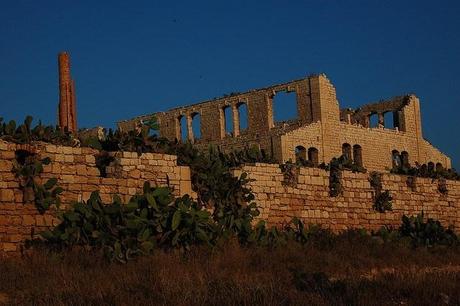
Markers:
135,57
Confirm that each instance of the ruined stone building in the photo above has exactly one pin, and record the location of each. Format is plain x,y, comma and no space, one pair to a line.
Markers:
320,131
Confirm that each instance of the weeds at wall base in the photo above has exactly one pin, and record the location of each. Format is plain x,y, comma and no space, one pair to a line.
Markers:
346,269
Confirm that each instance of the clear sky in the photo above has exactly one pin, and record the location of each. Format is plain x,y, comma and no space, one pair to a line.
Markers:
135,57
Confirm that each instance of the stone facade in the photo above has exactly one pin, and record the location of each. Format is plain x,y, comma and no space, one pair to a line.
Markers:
77,174
309,200
320,132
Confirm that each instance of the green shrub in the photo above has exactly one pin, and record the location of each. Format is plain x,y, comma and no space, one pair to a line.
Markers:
426,170
148,221
290,173
294,231
383,202
382,199
229,196
335,178
442,186
426,233
267,237
335,167
24,133
27,167
103,160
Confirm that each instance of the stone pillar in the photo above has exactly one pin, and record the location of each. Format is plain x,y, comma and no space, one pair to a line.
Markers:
381,120
178,128
189,128
67,102
269,103
367,122
222,122
236,121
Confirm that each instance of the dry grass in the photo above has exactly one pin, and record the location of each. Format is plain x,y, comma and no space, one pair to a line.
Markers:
350,270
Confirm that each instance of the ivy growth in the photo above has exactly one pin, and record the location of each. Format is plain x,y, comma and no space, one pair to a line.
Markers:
290,173
335,167
382,199
442,186
411,182
103,160
27,167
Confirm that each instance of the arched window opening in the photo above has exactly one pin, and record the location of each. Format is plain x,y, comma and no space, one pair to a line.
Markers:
405,159
284,106
196,125
346,151
430,167
396,159
228,122
373,120
243,116
358,155
300,154
313,156
183,128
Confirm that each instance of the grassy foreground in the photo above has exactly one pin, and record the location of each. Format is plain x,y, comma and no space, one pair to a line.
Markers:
349,269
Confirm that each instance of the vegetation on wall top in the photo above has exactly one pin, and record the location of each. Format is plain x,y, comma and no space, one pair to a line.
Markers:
25,133
429,170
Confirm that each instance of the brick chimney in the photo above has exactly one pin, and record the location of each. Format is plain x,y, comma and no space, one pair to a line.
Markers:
67,115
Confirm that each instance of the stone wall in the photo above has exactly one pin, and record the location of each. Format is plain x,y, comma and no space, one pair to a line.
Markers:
309,199
76,171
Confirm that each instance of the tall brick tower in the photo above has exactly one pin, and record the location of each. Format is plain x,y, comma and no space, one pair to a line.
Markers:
67,109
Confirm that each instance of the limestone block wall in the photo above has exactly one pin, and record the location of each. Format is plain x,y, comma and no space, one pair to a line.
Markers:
430,153
378,143
271,142
309,136
77,174
323,93
243,141
309,200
